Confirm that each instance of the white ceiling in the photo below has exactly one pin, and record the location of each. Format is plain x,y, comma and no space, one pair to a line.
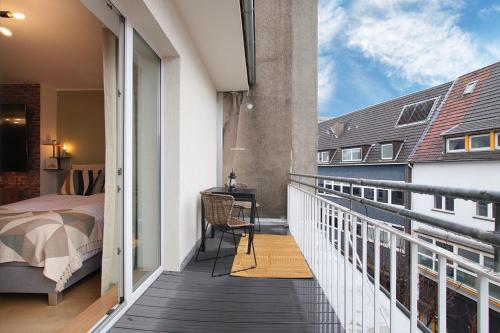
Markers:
215,27
59,44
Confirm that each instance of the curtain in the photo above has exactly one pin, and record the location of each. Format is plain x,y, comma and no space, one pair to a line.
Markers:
110,273
232,105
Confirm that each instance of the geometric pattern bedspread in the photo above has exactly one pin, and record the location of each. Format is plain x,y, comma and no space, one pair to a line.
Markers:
56,240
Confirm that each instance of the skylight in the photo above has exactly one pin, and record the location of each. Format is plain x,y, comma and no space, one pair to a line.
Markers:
415,113
469,88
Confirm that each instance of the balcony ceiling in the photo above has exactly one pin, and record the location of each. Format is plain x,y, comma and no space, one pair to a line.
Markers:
59,44
215,27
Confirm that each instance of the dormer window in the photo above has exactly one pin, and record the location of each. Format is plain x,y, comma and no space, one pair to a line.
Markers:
351,154
387,151
455,145
469,88
323,156
479,142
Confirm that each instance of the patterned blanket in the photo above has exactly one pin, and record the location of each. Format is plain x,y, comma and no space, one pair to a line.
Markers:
55,240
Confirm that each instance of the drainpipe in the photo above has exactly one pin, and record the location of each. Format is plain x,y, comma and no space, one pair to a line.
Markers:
248,23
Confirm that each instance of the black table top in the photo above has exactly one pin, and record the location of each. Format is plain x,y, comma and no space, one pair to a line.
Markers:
225,190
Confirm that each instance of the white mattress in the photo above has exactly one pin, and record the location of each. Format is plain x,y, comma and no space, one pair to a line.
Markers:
92,205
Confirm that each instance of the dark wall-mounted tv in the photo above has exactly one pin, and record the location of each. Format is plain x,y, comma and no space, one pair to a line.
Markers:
13,138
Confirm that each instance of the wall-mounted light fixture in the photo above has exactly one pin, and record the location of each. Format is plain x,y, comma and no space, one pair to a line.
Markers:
8,14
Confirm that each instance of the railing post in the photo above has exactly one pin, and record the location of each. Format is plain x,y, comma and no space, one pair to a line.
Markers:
496,206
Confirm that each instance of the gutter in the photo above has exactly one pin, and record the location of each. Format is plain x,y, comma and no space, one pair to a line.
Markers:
248,23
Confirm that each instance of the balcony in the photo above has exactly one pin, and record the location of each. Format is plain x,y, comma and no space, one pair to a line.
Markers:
369,276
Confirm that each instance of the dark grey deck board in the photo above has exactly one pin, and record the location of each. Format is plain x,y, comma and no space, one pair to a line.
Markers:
193,301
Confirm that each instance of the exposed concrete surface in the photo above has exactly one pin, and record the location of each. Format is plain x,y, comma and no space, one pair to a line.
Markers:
279,134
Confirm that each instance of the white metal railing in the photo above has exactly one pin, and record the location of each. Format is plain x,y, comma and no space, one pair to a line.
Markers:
326,231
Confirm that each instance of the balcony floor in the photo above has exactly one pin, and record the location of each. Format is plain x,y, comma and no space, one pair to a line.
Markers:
193,301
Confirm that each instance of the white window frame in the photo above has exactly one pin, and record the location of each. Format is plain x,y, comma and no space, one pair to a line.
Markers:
472,86
448,150
477,136
382,151
497,140
351,153
323,156
489,215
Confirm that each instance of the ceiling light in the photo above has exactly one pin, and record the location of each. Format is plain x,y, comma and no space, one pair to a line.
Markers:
18,16
6,32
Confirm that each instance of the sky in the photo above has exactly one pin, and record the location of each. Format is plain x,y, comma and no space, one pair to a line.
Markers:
370,51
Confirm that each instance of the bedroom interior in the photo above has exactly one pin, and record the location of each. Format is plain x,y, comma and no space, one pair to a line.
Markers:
58,133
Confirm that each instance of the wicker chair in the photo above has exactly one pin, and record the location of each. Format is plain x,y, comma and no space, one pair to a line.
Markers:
245,205
218,209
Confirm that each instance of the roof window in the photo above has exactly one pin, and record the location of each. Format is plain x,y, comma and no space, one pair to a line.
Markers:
416,113
469,88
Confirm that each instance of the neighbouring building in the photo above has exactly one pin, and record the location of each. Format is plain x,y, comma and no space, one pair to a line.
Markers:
376,143
461,149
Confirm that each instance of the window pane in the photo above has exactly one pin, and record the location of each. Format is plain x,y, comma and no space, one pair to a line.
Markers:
398,198
468,254
356,191
445,246
449,204
328,185
336,187
478,142
466,278
346,189
387,151
146,161
369,193
482,208
456,144
438,202
489,262
356,154
425,261
382,195
346,154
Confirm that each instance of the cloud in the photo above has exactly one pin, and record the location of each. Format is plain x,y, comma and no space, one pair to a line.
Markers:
331,19
326,80
419,42
488,11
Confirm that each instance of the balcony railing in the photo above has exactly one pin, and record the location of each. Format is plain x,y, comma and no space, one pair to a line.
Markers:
370,270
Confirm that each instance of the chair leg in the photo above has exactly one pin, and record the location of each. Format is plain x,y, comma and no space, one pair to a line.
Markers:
218,250
258,218
234,240
254,256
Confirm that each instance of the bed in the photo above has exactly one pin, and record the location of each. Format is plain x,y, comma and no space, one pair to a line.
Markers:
49,243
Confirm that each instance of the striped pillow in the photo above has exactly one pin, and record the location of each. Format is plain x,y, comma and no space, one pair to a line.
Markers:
80,181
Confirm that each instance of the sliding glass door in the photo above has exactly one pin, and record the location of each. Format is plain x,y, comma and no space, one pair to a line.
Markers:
146,161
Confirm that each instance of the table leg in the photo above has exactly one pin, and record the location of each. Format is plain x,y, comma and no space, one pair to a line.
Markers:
203,227
252,221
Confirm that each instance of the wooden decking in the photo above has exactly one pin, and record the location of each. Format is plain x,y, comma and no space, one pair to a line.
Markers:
193,301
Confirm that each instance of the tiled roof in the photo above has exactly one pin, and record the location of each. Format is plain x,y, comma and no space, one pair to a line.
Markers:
477,111
377,124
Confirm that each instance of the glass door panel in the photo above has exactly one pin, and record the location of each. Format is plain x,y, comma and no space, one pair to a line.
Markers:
146,161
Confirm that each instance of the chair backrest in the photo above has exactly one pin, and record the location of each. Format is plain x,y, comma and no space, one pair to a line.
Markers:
218,208
242,185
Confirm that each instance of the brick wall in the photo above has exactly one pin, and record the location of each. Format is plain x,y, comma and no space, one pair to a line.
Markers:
28,183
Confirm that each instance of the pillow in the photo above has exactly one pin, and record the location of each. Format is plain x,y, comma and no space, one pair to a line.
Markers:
81,179
99,184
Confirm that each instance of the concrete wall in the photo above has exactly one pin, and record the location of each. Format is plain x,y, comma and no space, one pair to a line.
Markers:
278,135
80,125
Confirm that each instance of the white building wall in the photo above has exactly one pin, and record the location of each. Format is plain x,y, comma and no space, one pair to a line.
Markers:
484,175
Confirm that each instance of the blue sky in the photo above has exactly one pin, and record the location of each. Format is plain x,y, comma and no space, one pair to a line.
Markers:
374,50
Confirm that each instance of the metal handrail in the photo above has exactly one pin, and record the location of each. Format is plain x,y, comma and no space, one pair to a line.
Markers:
489,237
454,192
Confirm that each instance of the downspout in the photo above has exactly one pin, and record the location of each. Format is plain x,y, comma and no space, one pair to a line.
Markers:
248,24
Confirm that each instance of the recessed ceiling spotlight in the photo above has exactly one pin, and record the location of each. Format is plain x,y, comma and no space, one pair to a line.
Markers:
6,32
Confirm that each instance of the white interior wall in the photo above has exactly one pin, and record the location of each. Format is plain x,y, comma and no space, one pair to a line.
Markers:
469,174
48,131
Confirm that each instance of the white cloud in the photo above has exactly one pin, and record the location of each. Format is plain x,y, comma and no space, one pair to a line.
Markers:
326,80
422,43
331,19
491,10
